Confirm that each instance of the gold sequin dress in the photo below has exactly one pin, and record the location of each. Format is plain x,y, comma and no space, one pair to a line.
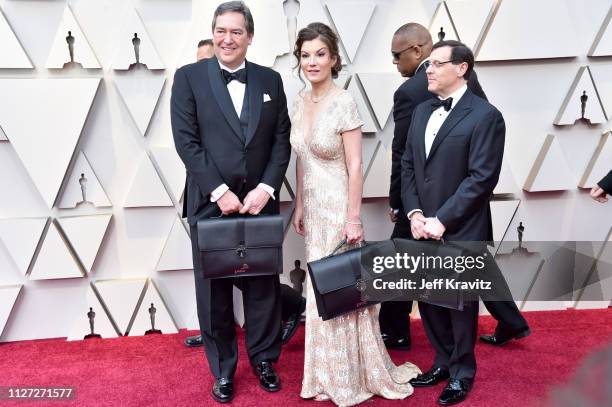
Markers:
345,358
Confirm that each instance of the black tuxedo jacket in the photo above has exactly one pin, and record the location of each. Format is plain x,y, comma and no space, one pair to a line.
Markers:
407,97
455,182
213,145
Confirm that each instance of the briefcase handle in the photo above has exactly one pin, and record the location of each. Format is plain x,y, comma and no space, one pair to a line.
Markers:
342,243
242,216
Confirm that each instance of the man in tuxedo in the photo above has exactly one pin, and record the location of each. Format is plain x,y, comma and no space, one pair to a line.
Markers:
450,166
411,47
292,302
231,130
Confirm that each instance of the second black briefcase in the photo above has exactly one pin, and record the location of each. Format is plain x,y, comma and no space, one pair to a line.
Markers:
241,246
339,280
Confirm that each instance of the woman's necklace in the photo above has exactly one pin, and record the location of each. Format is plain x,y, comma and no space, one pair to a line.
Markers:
313,100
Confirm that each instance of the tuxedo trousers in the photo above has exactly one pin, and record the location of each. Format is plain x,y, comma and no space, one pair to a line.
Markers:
262,312
452,333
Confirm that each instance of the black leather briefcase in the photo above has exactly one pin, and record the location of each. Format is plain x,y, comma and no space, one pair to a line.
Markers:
339,280
241,246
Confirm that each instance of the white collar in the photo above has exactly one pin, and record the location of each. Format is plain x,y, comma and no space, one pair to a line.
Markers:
242,65
421,64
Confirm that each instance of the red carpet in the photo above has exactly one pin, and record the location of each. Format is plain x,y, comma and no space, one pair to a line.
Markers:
160,371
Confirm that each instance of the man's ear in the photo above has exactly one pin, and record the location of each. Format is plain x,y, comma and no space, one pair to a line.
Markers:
462,69
250,36
418,51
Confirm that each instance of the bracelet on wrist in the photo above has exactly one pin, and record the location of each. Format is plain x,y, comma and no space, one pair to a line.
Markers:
353,223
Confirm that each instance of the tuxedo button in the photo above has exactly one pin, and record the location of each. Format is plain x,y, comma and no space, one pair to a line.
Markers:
426,179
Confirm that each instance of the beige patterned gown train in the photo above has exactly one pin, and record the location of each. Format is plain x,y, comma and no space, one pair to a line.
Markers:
345,358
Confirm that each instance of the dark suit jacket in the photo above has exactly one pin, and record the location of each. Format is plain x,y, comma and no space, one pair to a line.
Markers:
211,143
455,182
606,183
410,94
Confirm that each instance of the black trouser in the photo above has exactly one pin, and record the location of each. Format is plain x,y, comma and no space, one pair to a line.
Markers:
290,301
499,301
262,312
394,316
452,334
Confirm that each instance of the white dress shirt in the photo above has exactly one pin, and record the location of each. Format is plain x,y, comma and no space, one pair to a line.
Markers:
436,120
236,90
438,117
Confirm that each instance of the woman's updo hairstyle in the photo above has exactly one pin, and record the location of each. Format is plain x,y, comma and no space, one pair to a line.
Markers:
323,32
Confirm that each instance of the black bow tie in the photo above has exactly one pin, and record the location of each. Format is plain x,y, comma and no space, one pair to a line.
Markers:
239,75
447,103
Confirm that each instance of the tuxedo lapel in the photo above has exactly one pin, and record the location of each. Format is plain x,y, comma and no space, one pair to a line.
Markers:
421,127
455,116
222,96
255,95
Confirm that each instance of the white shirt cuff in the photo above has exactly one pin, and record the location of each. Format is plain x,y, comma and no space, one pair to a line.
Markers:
413,211
267,188
218,192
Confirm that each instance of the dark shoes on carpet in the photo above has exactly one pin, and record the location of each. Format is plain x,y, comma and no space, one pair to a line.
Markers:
432,377
396,342
291,325
268,379
223,390
455,392
193,341
503,336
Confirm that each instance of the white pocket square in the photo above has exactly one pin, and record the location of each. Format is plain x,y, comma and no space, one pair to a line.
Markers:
266,98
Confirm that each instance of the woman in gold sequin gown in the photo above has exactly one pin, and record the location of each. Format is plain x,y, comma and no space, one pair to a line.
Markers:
345,358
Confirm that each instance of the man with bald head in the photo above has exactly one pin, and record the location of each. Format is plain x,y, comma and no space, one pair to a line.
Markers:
410,48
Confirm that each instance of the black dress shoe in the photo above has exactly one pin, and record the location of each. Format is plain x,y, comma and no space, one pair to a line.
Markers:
291,325
396,342
432,377
193,341
503,336
455,392
268,379
223,390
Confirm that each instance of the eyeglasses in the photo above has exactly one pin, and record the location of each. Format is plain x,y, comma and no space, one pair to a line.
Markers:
396,55
438,64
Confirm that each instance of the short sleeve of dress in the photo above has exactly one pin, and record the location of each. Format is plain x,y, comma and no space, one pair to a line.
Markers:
348,118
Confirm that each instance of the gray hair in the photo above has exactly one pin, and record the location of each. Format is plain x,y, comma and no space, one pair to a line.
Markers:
235,7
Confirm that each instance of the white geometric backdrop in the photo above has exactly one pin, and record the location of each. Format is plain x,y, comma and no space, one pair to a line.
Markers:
91,187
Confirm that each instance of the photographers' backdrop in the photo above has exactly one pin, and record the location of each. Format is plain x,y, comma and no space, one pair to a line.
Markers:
91,184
